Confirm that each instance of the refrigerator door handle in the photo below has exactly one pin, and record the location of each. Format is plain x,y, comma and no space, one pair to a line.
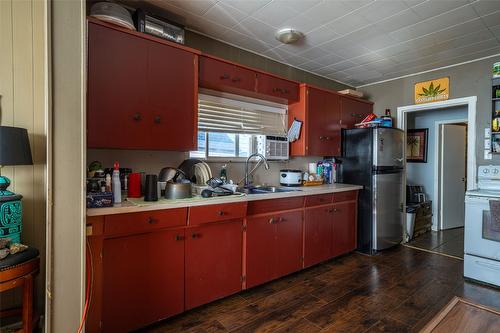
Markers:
398,159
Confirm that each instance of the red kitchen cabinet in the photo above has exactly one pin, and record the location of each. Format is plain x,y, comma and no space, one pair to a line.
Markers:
318,231
274,246
276,87
344,227
143,279
353,111
213,261
223,76
319,109
142,93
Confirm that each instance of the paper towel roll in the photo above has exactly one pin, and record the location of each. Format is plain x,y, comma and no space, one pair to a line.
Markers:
312,168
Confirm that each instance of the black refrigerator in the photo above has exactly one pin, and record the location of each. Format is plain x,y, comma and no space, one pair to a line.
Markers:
373,158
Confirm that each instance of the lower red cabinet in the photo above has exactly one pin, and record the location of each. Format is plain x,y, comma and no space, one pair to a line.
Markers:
143,279
318,231
344,227
274,246
213,261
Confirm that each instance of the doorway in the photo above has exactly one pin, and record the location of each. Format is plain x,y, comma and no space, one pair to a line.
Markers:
448,170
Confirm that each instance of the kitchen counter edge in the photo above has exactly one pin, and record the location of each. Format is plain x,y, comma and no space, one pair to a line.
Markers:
128,207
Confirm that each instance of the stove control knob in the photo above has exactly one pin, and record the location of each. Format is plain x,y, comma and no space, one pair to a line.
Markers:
495,171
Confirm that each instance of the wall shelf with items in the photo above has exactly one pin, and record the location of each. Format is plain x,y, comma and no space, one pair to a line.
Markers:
495,115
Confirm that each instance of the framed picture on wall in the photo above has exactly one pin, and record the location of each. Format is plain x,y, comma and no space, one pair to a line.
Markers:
416,145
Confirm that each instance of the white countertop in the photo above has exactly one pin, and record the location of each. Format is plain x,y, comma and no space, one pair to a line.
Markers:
137,205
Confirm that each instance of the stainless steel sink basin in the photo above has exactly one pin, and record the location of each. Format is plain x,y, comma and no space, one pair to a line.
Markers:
268,189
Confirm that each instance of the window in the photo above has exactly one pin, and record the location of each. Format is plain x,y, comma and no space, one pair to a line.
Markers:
226,126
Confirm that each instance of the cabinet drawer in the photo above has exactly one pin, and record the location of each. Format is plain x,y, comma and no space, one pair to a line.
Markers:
320,199
276,87
216,213
345,196
144,221
273,205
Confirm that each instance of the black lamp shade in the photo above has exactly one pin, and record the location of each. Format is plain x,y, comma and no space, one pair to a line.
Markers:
14,146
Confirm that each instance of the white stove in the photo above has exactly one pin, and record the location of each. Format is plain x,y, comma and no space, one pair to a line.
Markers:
482,235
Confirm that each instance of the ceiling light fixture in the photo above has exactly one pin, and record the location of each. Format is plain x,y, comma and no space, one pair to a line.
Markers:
288,35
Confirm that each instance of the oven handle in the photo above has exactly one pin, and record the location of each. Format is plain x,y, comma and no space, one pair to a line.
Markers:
488,265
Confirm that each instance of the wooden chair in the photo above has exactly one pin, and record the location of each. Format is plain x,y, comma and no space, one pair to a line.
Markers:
19,270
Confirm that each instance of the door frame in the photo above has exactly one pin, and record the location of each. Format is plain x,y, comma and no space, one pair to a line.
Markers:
402,124
437,219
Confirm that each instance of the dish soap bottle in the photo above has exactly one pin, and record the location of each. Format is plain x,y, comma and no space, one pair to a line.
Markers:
117,186
387,119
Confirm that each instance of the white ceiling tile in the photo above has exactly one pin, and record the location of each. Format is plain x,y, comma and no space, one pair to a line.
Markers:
348,23
313,53
310,66
301,23
198,7
298,5
486,7
320,36
275,13
327,11
412,3
340,66
366,58
246,42
400,20
208,27
330,58
432,8
247,6
284,56
355,4
491,19
257,29
379,10
225,15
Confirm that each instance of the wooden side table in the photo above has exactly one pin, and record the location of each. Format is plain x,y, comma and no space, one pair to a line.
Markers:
19,270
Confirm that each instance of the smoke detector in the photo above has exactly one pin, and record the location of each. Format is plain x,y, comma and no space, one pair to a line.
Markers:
288,35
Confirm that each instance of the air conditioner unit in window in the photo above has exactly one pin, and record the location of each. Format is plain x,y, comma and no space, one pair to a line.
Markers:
272,147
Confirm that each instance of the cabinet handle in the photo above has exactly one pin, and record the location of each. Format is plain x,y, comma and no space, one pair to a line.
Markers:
157,119
224,76
286,91
179,237
221,213
271,220
335,210
328,138
236,79
321,137
137,116
194,236
281,219
356,115
152,220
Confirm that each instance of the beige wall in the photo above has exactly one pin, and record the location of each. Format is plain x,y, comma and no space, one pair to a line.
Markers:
472,79
67,165
22,89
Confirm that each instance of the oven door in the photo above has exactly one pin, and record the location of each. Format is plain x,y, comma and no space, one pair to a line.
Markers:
482,236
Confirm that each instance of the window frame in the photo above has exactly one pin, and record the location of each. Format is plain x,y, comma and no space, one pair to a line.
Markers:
209,158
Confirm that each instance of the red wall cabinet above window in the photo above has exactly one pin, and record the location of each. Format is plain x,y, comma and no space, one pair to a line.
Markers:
142,93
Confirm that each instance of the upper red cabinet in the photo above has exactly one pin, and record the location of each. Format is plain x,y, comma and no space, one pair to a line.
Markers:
319,109
142,92
221,75
353,111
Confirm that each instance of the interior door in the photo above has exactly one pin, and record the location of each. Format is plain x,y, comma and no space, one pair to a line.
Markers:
453,175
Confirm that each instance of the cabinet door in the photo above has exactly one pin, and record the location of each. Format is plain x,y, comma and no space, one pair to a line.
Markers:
260,247
223,76
323,131
353,111
117,96
288,243
172,97
213,262
344,227
276,87
318,229
143,279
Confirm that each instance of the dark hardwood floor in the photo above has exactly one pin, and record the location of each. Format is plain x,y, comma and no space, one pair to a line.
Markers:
399,290
450,242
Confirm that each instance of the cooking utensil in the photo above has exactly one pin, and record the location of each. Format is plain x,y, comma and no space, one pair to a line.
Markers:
171,174
180,190
289,177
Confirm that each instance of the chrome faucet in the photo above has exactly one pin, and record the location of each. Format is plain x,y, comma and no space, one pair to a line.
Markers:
247,174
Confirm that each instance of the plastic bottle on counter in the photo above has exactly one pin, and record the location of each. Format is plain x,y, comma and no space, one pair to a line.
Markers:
117,187
108,182
223,173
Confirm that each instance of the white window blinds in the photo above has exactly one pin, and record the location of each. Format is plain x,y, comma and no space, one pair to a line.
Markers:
221,114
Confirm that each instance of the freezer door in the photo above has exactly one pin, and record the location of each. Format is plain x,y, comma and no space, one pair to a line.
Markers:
387,210
388,147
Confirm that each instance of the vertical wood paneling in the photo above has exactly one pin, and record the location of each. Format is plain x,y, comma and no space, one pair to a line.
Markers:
23,104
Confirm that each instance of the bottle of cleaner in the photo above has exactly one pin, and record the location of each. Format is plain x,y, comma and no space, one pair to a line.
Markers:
117,186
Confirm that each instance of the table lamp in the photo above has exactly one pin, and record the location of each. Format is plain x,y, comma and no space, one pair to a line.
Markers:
14,150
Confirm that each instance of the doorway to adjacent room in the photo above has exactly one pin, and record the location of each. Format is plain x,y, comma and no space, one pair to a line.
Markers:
438,178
